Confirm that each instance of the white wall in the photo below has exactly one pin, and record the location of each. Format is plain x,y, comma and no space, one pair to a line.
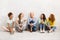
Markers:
36,6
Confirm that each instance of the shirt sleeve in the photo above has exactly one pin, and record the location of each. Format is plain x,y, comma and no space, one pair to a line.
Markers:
45,22
54,23
39,20
35,21
28,21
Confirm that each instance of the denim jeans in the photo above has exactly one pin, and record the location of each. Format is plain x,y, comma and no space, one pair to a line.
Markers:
42,26
33,29
53,28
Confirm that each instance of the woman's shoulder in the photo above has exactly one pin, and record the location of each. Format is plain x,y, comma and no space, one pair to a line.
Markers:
47,19
39,18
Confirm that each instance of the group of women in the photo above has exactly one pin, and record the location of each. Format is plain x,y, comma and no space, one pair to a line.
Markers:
23,24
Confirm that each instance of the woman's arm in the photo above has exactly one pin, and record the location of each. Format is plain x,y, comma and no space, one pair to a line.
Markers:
39,20
16,22
13,24
25,20
8,25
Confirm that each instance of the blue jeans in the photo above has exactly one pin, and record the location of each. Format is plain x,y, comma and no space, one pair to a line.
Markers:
33,29
53,28
42,26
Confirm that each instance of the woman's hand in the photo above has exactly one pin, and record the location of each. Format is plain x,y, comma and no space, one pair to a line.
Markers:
31,24
20,25
49,27
42,21
25,20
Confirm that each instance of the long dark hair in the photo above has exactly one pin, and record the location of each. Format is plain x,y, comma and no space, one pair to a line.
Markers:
44,17
52,18
19,16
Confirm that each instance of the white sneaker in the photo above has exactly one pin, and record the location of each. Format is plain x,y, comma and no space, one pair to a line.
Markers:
14,29
41,31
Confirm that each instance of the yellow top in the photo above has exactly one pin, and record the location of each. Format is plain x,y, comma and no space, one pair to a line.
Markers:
51,23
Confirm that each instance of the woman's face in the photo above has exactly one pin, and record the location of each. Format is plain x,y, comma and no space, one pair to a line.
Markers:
31,15
41,16
11,16
22,15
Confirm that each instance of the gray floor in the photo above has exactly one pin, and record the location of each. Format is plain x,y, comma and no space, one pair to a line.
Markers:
31,36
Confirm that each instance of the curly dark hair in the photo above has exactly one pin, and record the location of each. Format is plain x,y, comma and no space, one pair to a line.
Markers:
44,17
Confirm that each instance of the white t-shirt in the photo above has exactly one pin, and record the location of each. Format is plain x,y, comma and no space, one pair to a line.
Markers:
10,22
